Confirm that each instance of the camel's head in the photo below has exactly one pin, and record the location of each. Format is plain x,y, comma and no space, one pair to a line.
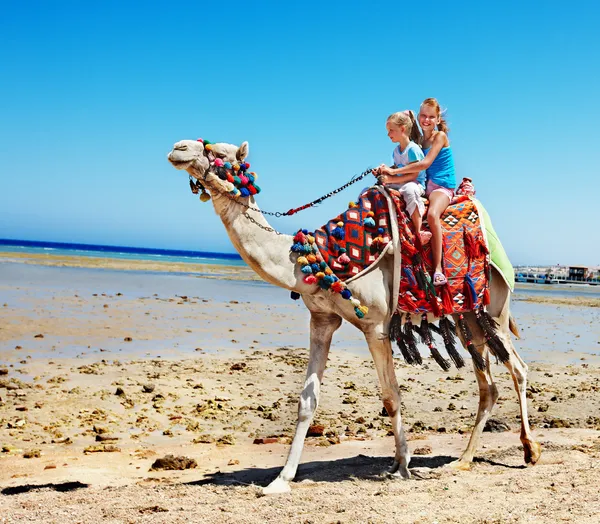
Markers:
203,160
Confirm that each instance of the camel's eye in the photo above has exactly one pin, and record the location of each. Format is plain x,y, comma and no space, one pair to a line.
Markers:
181,147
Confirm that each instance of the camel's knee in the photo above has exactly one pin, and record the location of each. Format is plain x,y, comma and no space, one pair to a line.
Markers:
391,403
306,407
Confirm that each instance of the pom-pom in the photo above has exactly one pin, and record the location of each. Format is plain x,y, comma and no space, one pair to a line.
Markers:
363,309
355,302
311,258
297,248
346,294
359,313
302,261
307,270
244,191
204,197
338,232
299,237
207,146
254,175
244,180
370,214
305,231
206,142
222,175
236,167
307,248
328,279
252,190
294,295
337,286
228,186
230,178
310,279
310,238
218,162
250,177
227,165
243,167
323,265
236,180
381,231
199,140
315,268
342,250
315,248
235,192
340,224
328,271
343,259
352,205
257,188
247,165
320,275
369,222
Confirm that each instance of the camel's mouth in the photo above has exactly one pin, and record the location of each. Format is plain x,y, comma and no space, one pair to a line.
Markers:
178,163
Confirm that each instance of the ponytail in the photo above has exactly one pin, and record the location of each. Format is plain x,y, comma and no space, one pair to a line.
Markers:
415,132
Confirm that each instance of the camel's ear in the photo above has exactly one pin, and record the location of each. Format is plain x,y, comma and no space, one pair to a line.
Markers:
242,152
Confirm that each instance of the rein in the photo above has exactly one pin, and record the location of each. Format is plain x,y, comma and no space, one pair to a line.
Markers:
225,172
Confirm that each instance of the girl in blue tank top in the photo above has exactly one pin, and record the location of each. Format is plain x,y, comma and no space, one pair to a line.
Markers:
441,179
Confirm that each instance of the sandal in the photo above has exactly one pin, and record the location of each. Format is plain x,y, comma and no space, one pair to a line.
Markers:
425,237
439,279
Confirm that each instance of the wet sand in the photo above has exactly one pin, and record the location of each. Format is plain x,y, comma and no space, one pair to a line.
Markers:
132,366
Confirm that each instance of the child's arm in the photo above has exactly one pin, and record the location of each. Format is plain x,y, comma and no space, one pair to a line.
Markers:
438,143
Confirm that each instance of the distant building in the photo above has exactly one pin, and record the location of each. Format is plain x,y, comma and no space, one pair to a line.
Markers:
577,273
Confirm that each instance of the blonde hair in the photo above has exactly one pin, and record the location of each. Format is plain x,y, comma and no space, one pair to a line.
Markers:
432,102
408,120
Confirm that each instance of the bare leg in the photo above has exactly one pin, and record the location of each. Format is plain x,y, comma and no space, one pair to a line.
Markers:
381,351
417,220
438,202
322,327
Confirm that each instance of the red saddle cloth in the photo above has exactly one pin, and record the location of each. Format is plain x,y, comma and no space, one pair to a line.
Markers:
354,240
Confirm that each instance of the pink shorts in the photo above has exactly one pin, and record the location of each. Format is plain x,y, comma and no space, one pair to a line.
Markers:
431,187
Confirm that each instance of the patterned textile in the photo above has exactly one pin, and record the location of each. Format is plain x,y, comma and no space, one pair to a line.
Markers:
363,232
357,235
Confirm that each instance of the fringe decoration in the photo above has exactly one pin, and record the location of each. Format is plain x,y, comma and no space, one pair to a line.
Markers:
447,330
396,334
478,360
482,249
471,247
409,275
447,302
437,356
411,343
469,292
488,326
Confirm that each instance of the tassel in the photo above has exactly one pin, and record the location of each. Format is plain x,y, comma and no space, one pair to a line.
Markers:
437,356
409,276
337,286
447,302
424,330
435,307
471,248
482,250
488,325
411,343
469,292
486,297
347,294
447,329
408,248
478,360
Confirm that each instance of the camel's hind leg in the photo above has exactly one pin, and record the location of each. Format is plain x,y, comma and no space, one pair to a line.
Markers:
518,371
381,351
322,327
488,394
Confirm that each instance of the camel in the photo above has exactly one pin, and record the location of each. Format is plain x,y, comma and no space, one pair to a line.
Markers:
268,254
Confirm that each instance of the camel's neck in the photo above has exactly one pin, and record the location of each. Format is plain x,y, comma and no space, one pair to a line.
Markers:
265,252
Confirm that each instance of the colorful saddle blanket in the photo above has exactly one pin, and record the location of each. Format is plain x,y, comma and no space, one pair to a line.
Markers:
357,238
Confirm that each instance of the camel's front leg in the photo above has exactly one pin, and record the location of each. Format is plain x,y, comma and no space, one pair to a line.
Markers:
322,327
381,351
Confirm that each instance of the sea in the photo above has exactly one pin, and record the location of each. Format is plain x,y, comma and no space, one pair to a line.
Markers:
121,252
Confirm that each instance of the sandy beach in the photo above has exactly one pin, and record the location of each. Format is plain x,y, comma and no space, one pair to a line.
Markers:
106,366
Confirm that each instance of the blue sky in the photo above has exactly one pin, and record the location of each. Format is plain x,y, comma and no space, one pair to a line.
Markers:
93,96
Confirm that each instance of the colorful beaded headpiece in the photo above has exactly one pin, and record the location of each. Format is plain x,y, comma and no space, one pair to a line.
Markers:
238,181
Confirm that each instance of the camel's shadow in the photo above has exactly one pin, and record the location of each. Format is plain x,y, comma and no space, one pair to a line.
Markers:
360,467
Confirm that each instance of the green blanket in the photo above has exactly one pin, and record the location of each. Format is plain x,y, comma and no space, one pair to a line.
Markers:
498,256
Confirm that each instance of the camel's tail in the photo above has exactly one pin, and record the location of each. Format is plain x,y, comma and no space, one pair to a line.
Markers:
512,325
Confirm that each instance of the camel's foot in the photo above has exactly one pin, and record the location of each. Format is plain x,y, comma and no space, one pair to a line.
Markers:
460,465
277,486
397,471
533,451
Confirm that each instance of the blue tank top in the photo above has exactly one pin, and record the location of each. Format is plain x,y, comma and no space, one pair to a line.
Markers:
441,171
